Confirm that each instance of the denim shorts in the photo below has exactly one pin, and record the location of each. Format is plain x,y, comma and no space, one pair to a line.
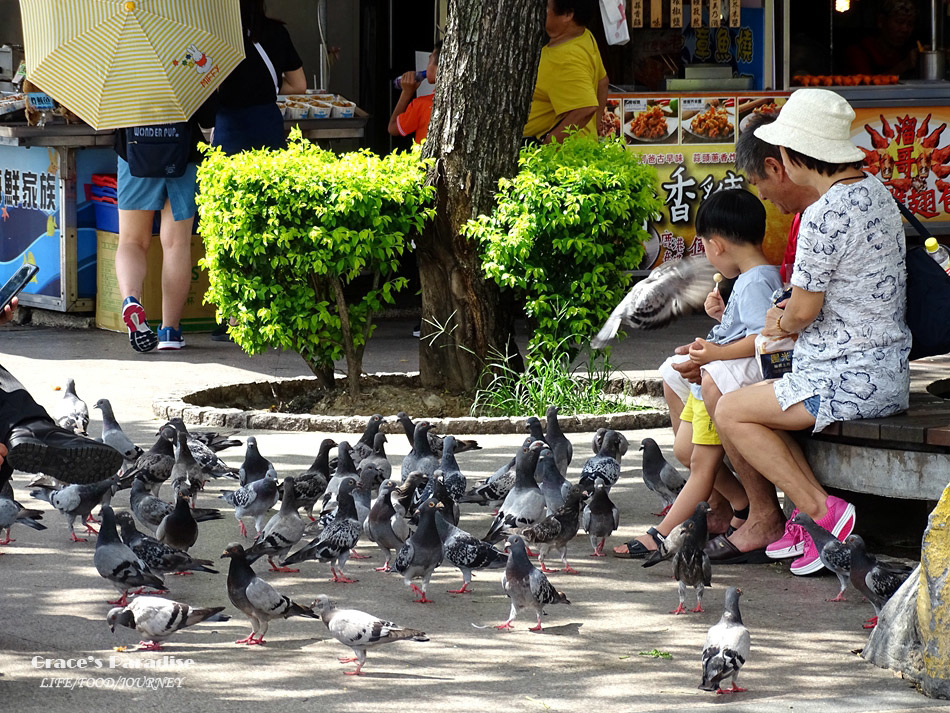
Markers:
137,193
812,404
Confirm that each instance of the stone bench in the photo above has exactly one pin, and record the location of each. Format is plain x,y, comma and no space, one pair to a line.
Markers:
904,456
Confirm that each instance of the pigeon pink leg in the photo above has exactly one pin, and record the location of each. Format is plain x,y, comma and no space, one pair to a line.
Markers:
662,512
734,689
73,538
357,556
150,646
462,590
275,568
537,627
870,623
698,610
544,568
679,610
422,595
507,625
8,540
243,528
90,529
338,577
121,601
599,550
839,598
385,567
90,518
355,672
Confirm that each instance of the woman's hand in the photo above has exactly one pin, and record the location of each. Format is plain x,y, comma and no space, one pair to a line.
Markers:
702,352
771,328
714,305
7,314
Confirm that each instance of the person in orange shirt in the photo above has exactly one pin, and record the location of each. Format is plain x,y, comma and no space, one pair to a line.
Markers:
411,116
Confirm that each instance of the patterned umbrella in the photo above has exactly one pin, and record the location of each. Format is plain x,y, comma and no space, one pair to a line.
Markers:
119,63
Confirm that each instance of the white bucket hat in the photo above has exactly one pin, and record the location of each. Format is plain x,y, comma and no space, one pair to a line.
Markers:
817,123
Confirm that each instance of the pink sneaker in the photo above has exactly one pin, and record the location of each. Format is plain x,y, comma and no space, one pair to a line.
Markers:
839,520
791,544
810,561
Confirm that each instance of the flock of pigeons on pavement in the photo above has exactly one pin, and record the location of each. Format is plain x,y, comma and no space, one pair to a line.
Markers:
413,519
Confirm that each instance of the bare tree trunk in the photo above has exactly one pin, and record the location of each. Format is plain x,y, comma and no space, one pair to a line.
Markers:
487,72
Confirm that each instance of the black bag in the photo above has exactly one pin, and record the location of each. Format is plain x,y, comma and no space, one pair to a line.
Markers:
928,296
160,151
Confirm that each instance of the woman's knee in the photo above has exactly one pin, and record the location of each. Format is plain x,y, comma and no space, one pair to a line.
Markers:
727,412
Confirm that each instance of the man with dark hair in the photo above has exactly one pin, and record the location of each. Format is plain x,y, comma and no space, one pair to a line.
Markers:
411,116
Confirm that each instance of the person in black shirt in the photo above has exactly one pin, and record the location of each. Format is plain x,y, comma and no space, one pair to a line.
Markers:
248,116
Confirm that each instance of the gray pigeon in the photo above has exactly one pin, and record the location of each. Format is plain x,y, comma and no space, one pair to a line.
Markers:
11,511
207,458
726,649
281,532
360,630
454,480
187,477
597,441
255,466
675,288
435,440
605,464
422,552
157,618
77,500
436,490
113,435
533,426
524,504
420,458
310,485
668,546
600,518
71,411
563,449
150,511
876,580
691,565
407,494
377,457
387,526
526,585
659,476
338,537
555,531
160,558
214,440
345,469
466,552
365,446
178,528
833,553
254,499
493,490
117,562
554,487
259,601
154,466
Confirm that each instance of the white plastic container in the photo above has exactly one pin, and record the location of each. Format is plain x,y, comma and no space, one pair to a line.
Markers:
295,110
342,109
320,110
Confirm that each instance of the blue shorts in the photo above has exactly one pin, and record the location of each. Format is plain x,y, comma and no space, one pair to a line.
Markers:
811,404
150,193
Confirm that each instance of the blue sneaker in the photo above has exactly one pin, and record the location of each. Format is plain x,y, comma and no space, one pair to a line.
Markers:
141,336
169,339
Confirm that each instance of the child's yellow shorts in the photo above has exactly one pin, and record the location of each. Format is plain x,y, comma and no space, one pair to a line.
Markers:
704,431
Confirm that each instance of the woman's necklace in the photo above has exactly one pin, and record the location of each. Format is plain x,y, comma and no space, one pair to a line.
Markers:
846,178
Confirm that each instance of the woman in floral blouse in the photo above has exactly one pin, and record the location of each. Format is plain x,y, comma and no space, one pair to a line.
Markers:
847,311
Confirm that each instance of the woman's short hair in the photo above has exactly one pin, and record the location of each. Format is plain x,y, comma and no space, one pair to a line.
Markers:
583,10
822,167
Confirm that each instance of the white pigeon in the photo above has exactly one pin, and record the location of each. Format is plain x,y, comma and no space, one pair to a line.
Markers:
157,618
360,630
71,411
727,648
673,289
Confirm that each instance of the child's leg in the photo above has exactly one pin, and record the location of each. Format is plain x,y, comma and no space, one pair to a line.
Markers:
702,474
675,404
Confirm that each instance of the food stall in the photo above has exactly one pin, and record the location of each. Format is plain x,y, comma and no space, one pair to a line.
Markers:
683,89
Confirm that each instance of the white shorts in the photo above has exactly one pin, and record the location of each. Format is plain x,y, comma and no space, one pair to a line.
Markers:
673,378
733,374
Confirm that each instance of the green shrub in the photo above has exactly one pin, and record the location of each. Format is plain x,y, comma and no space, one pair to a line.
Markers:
287,231
563,234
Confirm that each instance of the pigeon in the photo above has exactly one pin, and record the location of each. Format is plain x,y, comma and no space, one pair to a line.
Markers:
659,476
552,483
422,552
598,441
436,489
691,565
454,480
206,457
281,532
214,440
310,485
157,618
493,490
77,500
533,426
526,585
407,494
256,598
360,630
668,546
420,458
562,448
255,466
555,531
150,511
158,557
154,466
187,477
117,562
876,580
178,528
378,458
254,499
11,511
726,648
113,435
345,468
524,504
834,554
600,518
338,537
466,552
386,525
365,446
605,464
71,411
435,441
675,288
363,493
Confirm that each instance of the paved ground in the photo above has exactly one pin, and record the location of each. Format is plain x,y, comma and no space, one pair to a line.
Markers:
53,602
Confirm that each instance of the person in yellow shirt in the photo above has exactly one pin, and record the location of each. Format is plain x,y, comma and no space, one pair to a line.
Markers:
571,91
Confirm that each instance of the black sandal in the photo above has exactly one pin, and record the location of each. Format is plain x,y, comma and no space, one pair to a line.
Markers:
742,514
636,550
